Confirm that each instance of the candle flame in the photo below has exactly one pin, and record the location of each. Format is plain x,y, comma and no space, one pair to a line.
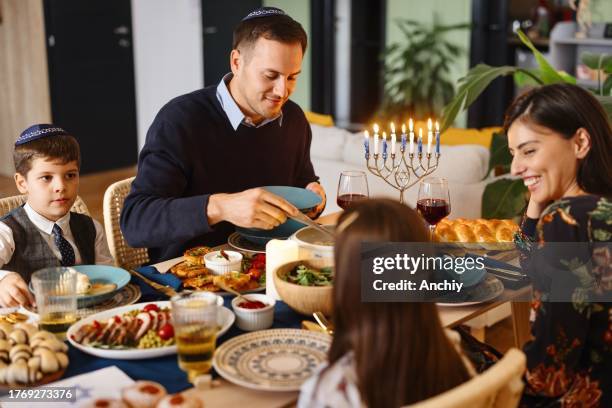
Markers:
437,126
429,124
403,128
366,134
392,127
384,136
411,125
376,128
421,133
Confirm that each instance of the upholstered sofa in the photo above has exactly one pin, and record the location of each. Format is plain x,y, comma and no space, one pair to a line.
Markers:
464,165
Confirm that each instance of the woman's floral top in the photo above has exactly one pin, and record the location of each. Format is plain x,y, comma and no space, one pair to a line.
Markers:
570,359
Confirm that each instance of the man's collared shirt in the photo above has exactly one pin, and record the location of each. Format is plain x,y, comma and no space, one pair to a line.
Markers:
233,112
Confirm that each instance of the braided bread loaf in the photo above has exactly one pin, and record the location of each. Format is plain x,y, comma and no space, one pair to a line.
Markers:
479,231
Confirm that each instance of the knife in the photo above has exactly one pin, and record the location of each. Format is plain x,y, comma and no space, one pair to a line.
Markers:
166,290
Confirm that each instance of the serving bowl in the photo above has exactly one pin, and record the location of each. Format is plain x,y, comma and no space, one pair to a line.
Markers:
254,319
304,299
314,243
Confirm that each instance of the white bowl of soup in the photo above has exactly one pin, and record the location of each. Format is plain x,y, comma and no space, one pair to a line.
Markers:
314,244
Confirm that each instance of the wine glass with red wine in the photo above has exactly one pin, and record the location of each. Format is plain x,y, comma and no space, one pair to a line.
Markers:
352,187
433,202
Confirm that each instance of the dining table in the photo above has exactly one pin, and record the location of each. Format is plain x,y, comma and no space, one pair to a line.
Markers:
165,370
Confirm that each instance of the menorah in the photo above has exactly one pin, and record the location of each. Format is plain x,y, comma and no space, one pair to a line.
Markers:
407,168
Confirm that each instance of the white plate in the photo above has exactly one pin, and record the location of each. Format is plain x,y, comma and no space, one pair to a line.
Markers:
226,319
272,360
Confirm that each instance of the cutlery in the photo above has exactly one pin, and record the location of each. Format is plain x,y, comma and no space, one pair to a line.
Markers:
166,290
323,322
303,218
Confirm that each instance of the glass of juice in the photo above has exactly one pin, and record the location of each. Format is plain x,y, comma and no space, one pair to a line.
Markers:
56,299
194,316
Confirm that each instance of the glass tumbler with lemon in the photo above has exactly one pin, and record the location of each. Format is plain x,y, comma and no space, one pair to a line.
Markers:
194,315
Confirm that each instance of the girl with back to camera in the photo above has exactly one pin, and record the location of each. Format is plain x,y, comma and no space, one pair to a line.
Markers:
561,143
382,354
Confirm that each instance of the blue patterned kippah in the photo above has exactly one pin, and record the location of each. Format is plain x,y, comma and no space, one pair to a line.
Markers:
264,12
39,131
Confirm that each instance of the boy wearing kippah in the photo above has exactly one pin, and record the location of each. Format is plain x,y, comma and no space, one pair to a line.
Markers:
43,232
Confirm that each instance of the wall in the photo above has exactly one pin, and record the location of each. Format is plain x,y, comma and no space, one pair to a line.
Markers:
448,12
601,11
167,54
299,10
24,85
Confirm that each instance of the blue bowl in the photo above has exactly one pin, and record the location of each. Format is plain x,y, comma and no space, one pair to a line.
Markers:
301,198
100,274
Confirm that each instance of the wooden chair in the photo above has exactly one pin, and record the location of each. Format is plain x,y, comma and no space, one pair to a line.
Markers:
499,387
9,203
125,256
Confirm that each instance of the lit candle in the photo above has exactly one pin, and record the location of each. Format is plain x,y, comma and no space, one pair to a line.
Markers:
384,138
403,137
411,126
429,136
393,138
376,138
420,141
366,142
437,137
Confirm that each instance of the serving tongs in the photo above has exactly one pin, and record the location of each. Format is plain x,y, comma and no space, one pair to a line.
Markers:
304,219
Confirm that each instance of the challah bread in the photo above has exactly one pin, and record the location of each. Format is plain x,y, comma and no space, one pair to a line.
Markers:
480,232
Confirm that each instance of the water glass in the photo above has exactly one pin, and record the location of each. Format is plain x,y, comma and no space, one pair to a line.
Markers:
195,320
56,298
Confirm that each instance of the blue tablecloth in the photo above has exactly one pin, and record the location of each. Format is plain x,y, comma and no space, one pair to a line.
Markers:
165,370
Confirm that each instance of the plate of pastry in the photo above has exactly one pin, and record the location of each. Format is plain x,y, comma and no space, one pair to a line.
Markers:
97,283
133,332
30,357
489,234
196,276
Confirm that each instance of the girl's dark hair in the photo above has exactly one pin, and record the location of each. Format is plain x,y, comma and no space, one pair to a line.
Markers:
278,28
565,108
64,148
402,354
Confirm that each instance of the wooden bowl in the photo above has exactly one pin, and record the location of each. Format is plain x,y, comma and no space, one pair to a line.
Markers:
304,299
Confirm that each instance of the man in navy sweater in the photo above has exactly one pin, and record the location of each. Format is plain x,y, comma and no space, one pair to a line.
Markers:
208,152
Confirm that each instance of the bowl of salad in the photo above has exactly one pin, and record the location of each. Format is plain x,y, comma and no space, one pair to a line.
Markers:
306,286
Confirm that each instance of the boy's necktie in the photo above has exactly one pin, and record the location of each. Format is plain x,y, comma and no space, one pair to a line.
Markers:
64,246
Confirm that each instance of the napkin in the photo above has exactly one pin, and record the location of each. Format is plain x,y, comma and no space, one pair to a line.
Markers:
166,279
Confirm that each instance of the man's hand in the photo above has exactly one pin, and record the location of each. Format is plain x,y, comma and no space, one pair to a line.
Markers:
318,189
14,291
254,208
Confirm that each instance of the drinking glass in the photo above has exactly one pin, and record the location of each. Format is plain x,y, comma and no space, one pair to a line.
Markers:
352,187
56,299
433,202
194,316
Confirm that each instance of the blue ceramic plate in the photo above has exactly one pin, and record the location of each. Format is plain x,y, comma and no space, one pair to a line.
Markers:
100,274
301,198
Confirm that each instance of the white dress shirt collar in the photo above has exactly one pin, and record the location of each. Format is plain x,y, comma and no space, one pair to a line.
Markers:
233,112
43,223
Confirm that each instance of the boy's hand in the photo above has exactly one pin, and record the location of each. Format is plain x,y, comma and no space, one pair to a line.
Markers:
14,291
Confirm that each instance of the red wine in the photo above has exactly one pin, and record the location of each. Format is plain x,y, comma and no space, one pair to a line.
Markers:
346,200
433,209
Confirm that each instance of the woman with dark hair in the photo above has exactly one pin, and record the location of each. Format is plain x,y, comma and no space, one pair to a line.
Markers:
561,143
383,354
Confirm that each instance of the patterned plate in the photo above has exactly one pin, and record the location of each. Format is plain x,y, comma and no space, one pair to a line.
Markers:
242,244
272,360
485,291
128,295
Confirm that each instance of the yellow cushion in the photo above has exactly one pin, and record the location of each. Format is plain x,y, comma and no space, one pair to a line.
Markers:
459,136
319,119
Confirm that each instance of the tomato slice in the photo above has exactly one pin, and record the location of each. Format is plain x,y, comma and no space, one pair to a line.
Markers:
151,307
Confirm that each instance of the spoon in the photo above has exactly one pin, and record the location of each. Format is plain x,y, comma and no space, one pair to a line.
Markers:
323,322
232,291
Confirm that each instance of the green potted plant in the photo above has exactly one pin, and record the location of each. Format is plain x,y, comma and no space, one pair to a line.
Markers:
417,70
